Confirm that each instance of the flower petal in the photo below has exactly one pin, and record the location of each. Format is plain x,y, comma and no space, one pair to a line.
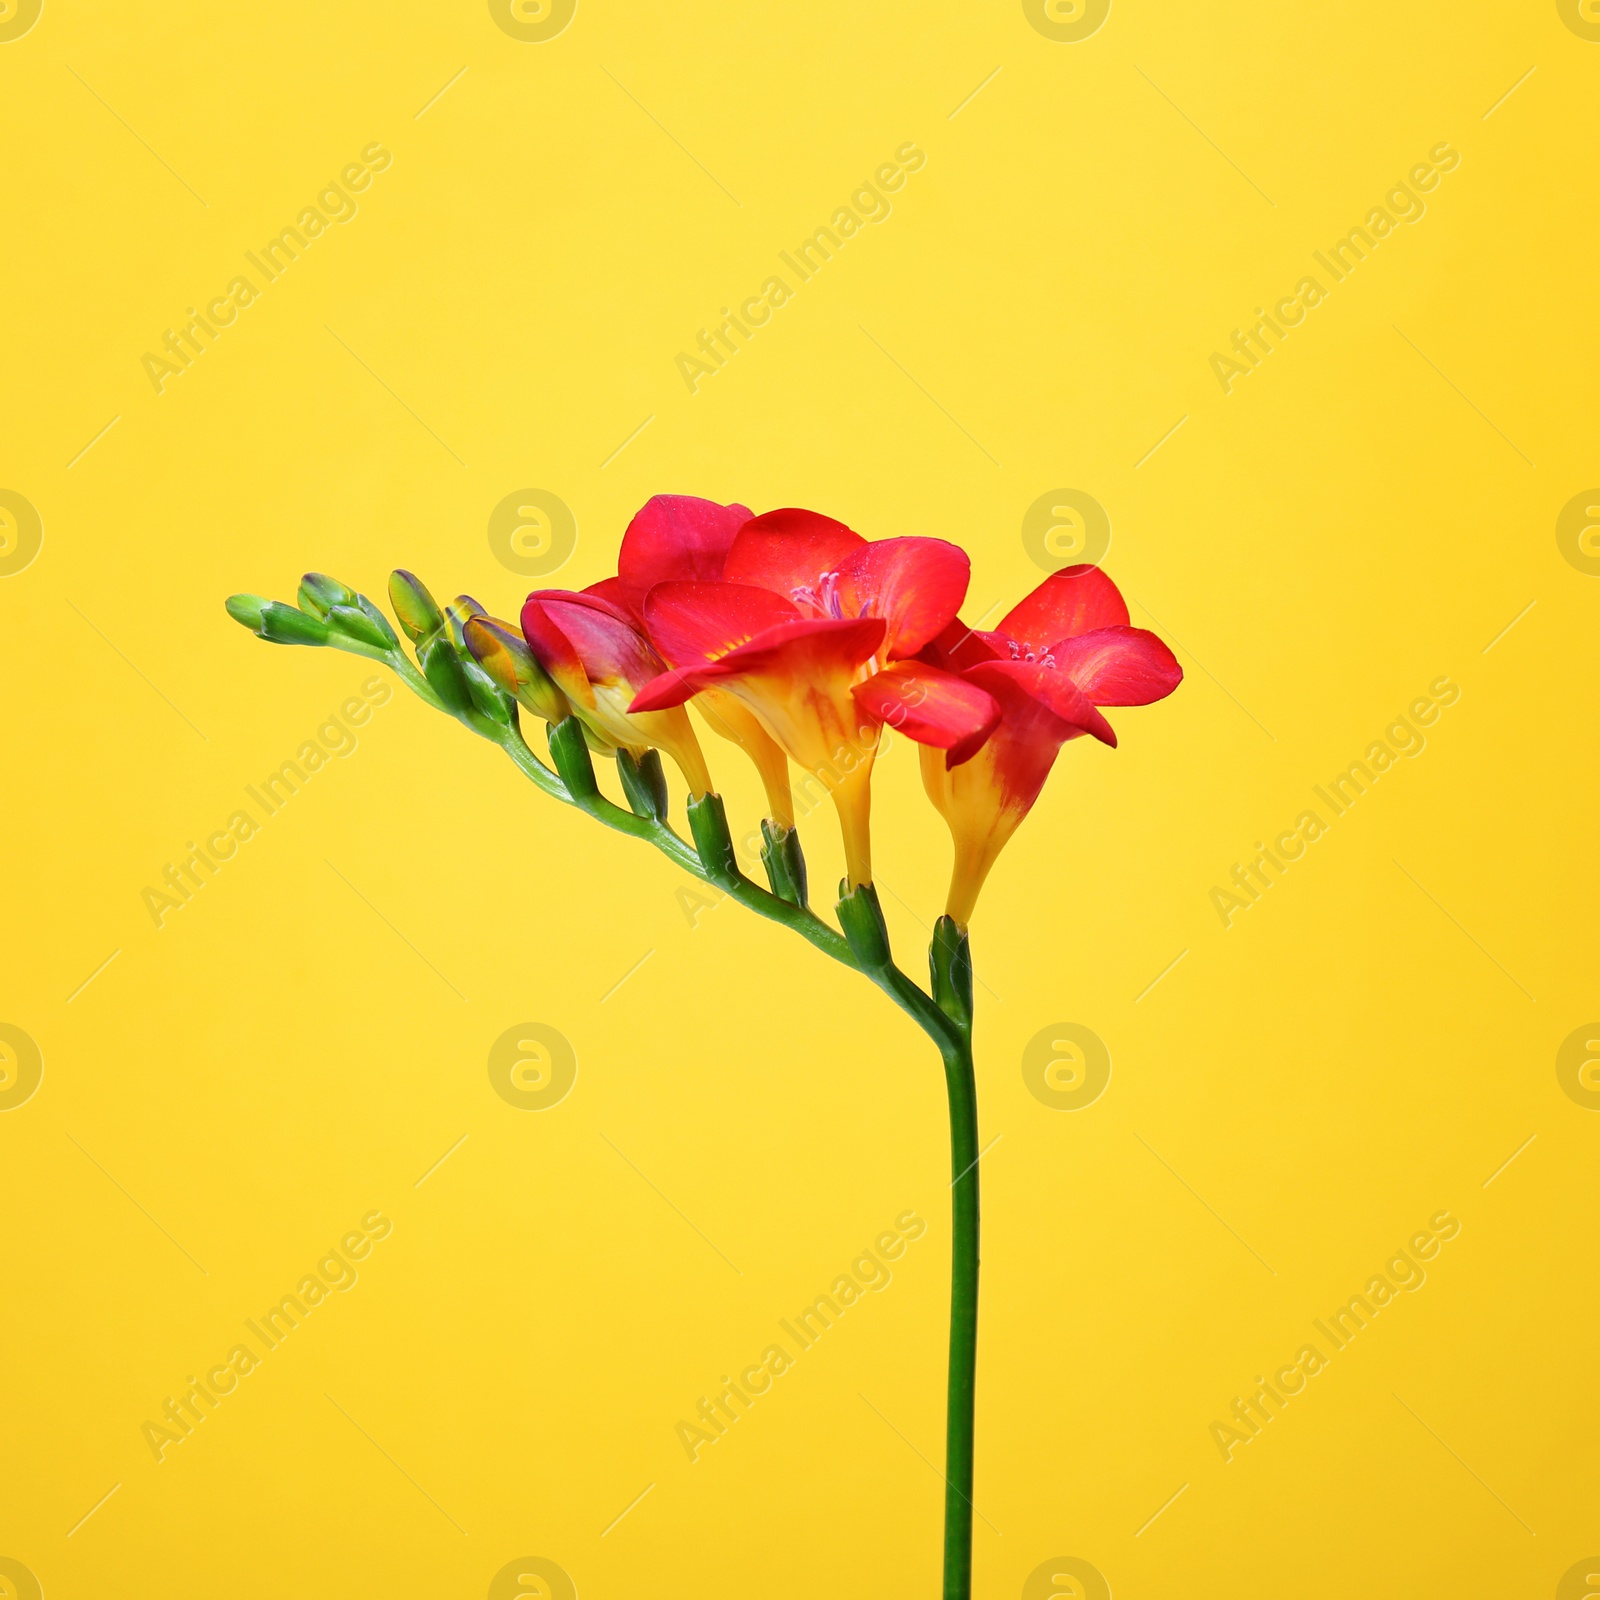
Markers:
675,536
804,650
694,622
933,707
602,636
610,590
789,550
916,585
554,651
1045,687
1119,666
674,686
959,647
1067,603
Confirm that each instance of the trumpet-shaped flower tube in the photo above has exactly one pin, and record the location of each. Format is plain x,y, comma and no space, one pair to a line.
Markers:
596,654
1066,650
812,628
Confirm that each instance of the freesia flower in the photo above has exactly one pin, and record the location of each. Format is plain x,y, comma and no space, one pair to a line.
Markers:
679,538
813,628
599,658
1064,651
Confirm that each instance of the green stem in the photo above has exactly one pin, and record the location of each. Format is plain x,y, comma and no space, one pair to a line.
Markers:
945,1020
681,853
963,1095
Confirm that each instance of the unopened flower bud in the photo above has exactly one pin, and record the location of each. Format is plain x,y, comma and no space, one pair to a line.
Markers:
503,653
319,594
365,627
277,623
246,609
458,613
417,610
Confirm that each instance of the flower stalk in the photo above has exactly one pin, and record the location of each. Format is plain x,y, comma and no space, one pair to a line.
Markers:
796,640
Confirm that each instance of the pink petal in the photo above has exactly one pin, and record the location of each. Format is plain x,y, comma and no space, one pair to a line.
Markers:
553,650
693,622
675,686
959,647
1049,688
933,707
803,650
916,585
601,634
1067,603
675,536
809,647
789,550
1119,666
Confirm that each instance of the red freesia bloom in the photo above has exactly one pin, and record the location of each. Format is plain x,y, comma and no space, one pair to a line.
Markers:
1064,651
678,538
599,656
815,630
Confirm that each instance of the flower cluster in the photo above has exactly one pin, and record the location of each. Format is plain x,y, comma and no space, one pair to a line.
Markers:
798,640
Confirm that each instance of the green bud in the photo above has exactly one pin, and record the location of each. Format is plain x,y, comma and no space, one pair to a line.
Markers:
319,594
281,624
708,823
458,613
417,610
354,623
246,609
503,653
379,621
644,783
861,918
950,967
570,753
786,866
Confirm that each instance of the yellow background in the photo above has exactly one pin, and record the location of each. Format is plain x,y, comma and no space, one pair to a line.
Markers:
303,1041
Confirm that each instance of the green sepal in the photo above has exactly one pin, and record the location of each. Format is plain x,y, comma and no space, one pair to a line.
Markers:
861,919
283,624
390,638
785,864
708,823
570,753
417,610
441,666
950,969
319,594
354,623
644,783
486,694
